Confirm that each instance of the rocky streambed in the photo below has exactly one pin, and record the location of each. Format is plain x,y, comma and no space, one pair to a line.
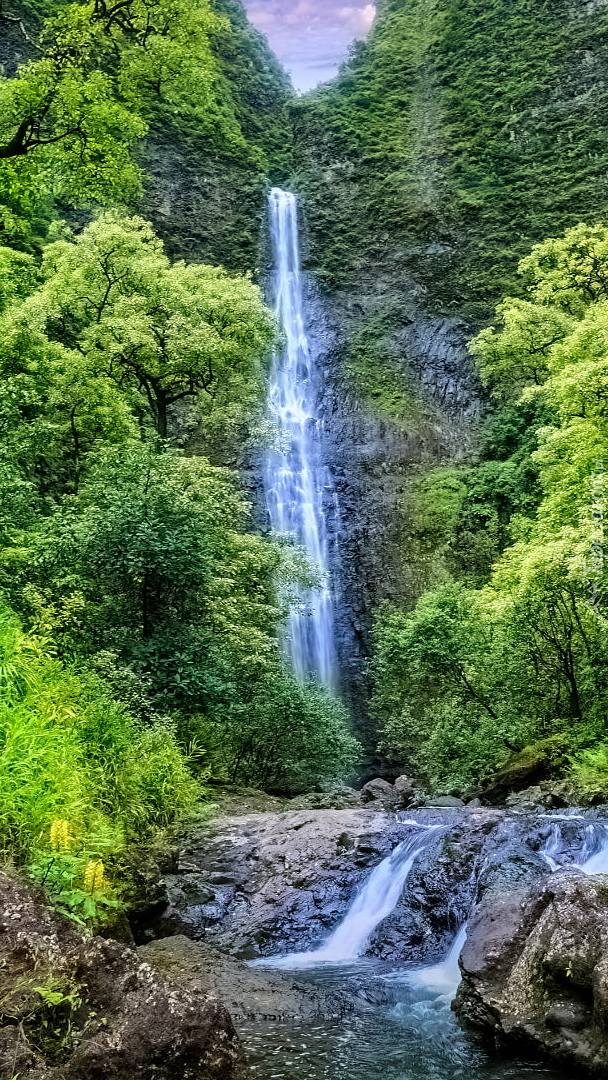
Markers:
326,941
261,885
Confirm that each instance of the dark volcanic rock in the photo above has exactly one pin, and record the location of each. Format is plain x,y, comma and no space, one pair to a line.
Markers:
374,460
340,799
114,1018
280,881
264,884
440,889
272,883
535,969
16,44
444,800
404,789
381,791
249,993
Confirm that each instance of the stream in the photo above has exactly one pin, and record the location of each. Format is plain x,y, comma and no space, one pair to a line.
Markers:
403,1027
412,1035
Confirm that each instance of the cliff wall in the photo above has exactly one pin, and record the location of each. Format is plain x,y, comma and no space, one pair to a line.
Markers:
459,135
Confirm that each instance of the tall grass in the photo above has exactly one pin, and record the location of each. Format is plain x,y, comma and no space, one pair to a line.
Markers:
69,751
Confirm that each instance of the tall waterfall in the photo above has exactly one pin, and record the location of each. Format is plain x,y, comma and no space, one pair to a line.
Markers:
296,481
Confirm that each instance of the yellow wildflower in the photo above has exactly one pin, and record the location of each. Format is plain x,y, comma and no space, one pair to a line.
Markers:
94,876
60,835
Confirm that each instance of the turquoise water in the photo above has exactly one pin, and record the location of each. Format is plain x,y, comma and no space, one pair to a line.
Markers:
395,1033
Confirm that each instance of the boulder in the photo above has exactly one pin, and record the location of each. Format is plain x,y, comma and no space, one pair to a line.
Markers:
529,800
526,768
404,790
339,799
535,969
379,791
78,1007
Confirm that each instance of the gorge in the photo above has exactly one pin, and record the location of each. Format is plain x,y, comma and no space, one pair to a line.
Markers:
303,592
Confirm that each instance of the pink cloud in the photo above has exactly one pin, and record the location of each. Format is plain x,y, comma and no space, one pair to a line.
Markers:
310,37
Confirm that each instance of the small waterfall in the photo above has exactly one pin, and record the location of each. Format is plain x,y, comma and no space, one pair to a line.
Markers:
296,481
377,899
589,852
442,978
552,847
594,856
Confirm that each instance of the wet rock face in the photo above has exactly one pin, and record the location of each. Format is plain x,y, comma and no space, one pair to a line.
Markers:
373,460
535,969
262,884
440,889
117,1018
280,881
16,44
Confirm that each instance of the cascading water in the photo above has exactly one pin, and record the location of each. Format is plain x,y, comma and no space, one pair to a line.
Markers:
587,851
442,978
373,903
403,1025
296,481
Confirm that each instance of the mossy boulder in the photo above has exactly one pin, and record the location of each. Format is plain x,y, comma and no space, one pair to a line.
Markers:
539,761
78,1007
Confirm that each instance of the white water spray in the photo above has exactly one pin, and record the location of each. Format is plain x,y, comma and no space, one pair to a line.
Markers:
592,854
442,978
373,903
295,479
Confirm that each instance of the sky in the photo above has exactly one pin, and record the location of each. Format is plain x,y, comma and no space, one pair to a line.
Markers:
310,37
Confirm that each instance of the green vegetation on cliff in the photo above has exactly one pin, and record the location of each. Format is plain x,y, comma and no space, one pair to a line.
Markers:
473,674
460,134
139,611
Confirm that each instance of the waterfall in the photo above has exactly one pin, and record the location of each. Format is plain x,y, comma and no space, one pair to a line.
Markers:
295,480
588,853
373,903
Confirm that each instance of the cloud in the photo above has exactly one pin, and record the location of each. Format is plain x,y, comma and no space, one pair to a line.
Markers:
310,37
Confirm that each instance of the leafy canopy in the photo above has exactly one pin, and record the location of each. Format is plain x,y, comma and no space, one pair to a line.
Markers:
113,307
471,674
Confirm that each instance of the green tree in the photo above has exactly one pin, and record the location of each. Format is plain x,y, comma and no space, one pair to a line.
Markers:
83,104
114,304
284,736
155,545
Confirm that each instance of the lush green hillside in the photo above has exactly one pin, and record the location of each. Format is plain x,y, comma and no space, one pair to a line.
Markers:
461,133
206,195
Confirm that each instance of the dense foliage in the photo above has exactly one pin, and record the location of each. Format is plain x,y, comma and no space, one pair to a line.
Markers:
474,673
451,127
139,611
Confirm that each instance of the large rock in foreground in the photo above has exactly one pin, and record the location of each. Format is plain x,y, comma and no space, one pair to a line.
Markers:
535,969
78,1007
249,993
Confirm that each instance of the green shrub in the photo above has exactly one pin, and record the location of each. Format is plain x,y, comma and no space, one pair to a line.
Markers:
589,770
288,738
69,752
